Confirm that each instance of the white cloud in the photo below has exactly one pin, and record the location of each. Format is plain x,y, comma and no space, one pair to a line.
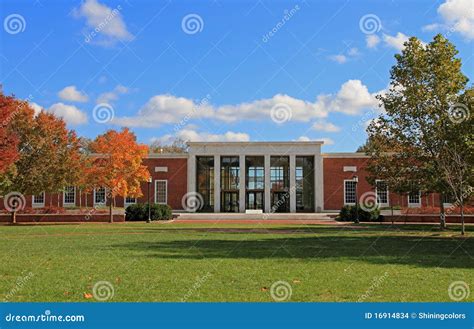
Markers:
192,135
431,27
341,59
37,108
372,40
353,52
352,98
104,21
113,95
325,126
459,16
71,114
325,140
396,41
70,93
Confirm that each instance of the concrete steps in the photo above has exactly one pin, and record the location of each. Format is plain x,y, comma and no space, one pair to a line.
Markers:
242,216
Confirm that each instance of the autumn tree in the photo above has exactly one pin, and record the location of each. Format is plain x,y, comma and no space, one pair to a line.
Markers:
48,152
8,140
117,165
410,138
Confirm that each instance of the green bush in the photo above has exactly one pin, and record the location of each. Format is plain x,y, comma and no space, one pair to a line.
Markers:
139,212
349,213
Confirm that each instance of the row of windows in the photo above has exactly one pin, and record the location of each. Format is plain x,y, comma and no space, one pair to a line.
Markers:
100,195
381,191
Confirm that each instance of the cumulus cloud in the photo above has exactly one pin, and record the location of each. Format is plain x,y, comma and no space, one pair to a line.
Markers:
341,59
352,98
37,108
325,140
105,25
459,16
70,93
190,134
325,126
70,114
113,95
372,40
396,41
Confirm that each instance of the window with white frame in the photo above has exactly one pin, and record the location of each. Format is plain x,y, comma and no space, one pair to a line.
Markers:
381,190
414,199
100,196
130,200
350,192
161,191
69,196
38,200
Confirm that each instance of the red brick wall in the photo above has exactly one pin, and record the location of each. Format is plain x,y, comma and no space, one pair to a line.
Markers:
334,177
176,177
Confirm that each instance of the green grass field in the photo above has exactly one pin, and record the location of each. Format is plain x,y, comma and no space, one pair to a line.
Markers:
206,262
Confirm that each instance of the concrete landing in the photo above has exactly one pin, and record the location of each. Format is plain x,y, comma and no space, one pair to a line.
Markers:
272,216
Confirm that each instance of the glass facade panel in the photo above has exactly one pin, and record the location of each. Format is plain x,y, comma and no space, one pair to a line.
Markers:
255,182
304,183
205,182
280,183
230,171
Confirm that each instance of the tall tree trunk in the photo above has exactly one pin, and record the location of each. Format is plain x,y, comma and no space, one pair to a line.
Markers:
111,215
13,217
442,213
80,199
462,217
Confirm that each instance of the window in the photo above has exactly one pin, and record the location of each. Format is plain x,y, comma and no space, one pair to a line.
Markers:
304,174
130,200
414,199
100,196
381,190
350,192
161,191
69,196
38,200
205,182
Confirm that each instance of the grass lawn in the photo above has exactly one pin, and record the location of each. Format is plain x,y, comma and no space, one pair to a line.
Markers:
223,262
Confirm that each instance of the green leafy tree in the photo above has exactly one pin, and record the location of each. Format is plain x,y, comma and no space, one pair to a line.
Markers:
417,128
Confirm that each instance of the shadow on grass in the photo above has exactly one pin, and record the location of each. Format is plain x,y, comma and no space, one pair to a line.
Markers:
390,248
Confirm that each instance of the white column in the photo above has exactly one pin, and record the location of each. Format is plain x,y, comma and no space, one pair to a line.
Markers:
318,183
242,183
292,183
267,183
191,173
217,183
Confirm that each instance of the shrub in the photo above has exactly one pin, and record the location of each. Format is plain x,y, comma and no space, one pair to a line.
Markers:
349,213
139,212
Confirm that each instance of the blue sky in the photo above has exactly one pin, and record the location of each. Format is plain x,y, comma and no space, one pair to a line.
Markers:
218,70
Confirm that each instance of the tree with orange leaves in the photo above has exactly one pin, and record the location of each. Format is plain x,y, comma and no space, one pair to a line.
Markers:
117,165
8,140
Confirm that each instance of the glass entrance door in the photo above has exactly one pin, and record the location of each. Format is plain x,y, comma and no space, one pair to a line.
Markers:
280,202
254,200
230,202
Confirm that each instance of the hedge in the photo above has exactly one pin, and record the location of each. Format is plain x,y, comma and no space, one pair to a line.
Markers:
139,212
349,213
